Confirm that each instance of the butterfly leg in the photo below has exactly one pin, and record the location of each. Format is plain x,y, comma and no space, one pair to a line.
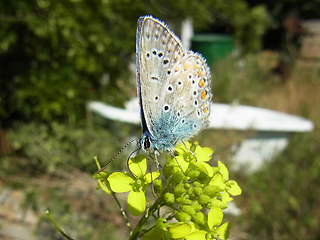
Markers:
156,154
150,171
189,149
172,154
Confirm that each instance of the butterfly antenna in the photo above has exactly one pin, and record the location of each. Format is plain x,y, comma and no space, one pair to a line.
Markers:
115,156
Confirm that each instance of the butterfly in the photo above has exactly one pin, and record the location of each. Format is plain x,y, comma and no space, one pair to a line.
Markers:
173,87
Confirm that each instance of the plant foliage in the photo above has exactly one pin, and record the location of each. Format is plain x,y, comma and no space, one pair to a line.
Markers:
192,192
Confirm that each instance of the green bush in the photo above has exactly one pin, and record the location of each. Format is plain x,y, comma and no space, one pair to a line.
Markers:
54,56
64,147
281,201
240,80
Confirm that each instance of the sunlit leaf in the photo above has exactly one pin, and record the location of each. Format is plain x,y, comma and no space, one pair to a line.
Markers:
136,203
197,235
234,189
203,153
224,230
180,230
138,165
223,170
120,182
215,217
155,175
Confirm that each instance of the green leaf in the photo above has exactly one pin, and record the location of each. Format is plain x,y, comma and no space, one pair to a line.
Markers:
136,203
157,233
223,170
120,182
182,163
234,189
218,180
181,149
104,186
197,235
205,168
203,153
180,230
155,175
226,198
138,165
215,217
224,230
219,203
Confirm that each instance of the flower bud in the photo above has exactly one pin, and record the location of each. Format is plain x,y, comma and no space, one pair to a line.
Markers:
193,174
204,199
178,191
211,190
177,177
197,191
157,184
196,206
168,198
182,217
188,209
199,218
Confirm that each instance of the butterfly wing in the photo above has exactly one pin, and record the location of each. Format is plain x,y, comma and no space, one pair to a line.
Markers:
173,85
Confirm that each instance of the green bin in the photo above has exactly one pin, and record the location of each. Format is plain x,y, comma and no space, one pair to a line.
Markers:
212,47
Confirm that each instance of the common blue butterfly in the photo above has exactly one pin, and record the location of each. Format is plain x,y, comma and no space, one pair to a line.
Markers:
173,87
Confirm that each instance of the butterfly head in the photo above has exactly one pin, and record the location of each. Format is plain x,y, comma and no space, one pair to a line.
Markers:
145,142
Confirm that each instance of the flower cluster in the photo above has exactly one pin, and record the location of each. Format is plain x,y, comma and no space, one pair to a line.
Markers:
194,192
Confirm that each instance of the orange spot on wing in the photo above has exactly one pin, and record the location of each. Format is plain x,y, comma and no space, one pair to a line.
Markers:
205,110
201,83
204,95
185,66
200,73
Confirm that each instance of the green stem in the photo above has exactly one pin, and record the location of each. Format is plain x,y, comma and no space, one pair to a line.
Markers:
135,234
122,212
114,196
57,226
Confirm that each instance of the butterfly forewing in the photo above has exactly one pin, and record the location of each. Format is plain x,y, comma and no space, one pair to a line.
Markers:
156,56
173,84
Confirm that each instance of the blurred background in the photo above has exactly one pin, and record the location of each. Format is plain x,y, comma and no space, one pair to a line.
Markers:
56,56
